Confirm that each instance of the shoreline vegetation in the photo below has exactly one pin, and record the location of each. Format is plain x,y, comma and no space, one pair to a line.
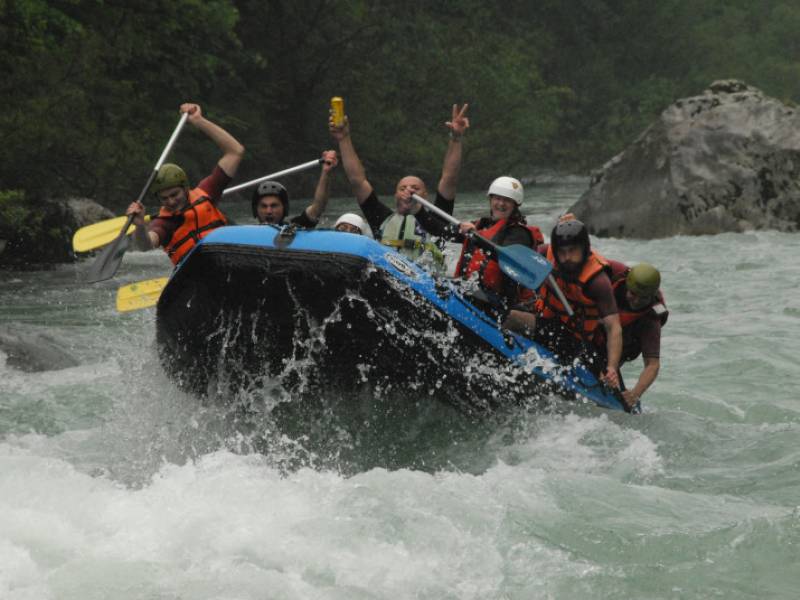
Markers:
91,90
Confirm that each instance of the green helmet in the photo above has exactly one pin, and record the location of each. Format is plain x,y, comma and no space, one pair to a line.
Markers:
643,280
169,176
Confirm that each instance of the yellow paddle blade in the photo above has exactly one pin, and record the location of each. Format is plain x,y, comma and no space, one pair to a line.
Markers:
99,234
142,294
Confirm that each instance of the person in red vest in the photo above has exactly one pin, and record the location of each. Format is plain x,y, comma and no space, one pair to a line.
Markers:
187,214
505,226
642,314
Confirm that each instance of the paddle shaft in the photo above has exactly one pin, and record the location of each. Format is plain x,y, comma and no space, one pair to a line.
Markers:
288,171
438,211
154,173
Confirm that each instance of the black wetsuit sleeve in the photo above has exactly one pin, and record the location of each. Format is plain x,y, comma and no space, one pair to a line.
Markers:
302,220
434,224
375,212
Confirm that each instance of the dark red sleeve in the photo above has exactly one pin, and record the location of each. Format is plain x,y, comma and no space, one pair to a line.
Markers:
164,228
650,337
215,184
599,289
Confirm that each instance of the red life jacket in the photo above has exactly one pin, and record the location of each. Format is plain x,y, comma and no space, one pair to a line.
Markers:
627,316
587,317
198,219
473,259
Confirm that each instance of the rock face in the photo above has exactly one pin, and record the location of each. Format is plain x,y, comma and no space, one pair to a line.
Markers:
41,232
727,160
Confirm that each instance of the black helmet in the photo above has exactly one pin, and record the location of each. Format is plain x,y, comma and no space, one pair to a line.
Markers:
570,233
270,188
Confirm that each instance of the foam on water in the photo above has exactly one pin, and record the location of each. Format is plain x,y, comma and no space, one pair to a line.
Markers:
113,484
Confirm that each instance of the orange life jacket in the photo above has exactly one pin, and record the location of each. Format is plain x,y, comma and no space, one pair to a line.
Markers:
198,219
587,317
474,259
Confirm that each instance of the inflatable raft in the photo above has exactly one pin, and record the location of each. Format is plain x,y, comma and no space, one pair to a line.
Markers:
338,310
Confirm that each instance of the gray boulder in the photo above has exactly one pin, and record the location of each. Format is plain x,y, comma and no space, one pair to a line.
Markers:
727,160
30,350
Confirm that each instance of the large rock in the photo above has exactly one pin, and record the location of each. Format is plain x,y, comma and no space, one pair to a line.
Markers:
37,233
727,160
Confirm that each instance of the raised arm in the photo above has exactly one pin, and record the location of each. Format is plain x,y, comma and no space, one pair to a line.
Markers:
232,150
458,126
322,192
350,161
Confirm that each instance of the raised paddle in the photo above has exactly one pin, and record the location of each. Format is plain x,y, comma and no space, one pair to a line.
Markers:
97,235
520,263
107,263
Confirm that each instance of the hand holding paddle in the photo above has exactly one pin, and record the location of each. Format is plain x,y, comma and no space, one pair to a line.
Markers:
94,236
520,263
107,263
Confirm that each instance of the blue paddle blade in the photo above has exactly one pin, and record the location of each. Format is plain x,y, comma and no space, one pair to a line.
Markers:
524,265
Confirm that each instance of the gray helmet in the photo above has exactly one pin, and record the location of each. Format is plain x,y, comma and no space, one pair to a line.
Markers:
270,188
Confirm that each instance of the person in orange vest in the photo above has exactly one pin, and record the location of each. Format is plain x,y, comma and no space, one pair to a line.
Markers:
505,226
642,314
270,201
187,214
584,277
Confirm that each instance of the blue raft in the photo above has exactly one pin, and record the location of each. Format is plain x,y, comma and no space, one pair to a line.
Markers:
332,309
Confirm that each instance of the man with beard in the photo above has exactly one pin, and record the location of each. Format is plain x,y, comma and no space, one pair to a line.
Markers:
270,202
584,277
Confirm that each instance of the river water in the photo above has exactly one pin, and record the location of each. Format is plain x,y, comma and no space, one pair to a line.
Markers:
113,484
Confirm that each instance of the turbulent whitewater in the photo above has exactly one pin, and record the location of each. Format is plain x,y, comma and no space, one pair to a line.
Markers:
115,484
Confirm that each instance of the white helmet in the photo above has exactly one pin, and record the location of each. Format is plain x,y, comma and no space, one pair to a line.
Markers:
356,221
508,187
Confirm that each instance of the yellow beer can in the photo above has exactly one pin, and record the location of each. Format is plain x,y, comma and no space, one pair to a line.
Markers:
337,110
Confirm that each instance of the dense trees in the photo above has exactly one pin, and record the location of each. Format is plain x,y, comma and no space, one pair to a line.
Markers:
91,87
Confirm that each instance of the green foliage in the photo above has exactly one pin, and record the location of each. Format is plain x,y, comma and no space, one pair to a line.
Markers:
91,87
17,216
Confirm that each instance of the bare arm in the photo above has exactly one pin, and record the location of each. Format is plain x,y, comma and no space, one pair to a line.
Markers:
452,158
362,189
520,321
646,378
232,150
613,347
322,192
142,238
